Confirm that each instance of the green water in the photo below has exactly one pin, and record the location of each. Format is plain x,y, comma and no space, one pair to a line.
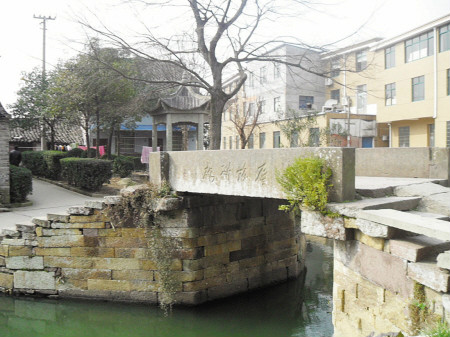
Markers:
284,310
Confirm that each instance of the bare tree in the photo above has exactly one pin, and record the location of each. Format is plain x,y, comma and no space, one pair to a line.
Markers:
247,122
225,39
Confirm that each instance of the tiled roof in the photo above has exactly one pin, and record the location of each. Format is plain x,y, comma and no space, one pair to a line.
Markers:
3,112
65,134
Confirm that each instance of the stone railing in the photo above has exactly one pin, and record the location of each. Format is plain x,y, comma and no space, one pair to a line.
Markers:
250,173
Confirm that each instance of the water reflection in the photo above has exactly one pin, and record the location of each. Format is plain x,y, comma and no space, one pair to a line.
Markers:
284,310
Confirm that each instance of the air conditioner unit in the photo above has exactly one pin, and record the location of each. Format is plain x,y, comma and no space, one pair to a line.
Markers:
385,138
328,81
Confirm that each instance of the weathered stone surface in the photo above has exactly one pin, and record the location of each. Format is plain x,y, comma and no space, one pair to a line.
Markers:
419,190
92,252
79,210
436,203
6,280
58,232
314,223
20,251
112,199
9,232
374,229
431,215
41,221
94,204
377,243
352,209
26,228
429,274
83,225
168,204
383,269
84,274
437,229
416,248
60,241
109,285
58,217
68,262
14,242
34,280
4,250
52,251
25,262
443,260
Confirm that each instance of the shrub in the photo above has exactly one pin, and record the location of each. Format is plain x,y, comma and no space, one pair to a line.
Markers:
138,166
20,181
123,166
86,173
89,153
306,184
52,159
34,161
75,152
105,156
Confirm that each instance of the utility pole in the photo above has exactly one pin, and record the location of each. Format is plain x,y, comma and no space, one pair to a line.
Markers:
44,28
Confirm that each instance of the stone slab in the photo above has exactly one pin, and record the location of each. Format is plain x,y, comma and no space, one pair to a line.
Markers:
351,209
433,228
430,275
431,215
419,190
374,229
436,203
416,248
25,262
443,260
383,269
248,173
314,223
37,280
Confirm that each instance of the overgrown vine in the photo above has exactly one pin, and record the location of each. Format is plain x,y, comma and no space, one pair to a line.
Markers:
138,209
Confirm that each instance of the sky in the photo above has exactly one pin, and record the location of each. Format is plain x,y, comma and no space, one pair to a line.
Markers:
21,34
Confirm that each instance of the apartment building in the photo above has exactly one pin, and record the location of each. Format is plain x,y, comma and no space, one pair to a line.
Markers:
404,81
273,93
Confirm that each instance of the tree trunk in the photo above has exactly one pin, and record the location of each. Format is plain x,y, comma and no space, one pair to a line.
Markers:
109,146
217,106
86,133
118,140
97,115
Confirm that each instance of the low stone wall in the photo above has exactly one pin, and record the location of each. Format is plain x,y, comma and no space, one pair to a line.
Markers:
250,173
226,245
4,158
424,162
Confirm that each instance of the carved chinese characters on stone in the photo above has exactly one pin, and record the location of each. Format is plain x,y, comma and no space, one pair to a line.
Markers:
261,173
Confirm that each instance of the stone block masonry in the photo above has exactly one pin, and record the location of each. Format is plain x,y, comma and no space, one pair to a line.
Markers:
224,246
4,158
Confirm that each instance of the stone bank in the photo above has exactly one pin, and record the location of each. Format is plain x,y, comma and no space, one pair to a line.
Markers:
225,245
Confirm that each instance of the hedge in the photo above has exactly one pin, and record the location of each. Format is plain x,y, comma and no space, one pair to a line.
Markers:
123,166
34,161
52,159
20,181
86,173
89,153
75,152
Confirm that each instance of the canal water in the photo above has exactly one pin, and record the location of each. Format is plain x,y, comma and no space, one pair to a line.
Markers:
289,309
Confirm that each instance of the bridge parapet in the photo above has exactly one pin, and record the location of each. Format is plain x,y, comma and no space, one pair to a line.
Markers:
250,173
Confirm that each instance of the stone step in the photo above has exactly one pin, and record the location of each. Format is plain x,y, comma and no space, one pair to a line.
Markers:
420,190
414,223
351,209
417,248
443,260
429,274
431,215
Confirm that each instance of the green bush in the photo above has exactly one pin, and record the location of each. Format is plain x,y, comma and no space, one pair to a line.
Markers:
52,159
89,153
34,161
20,181
306,183
105,156
86,173
123,166
138,166
75,152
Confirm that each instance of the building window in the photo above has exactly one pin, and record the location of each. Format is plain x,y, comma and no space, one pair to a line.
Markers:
251,80
230,113
418,88
314,138
361,98
237,142
250,141
306,102
231,142
390,94
448,134
276,70
444,38
263,106
419,47
224,143
263,75
276,139
336,95
276,104
389,57
224,115
294,139
335,67
431,136
403,136
262,140
448,81
361,60
251,109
